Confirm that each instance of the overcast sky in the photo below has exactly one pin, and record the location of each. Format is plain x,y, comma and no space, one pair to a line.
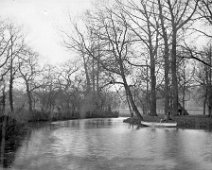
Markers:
41,21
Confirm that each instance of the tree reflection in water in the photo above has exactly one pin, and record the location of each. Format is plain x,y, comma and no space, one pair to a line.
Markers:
11,134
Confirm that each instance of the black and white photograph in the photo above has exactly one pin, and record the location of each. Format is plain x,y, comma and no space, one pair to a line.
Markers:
105,84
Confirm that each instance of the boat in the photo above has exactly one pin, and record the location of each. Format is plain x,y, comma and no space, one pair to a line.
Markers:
159,124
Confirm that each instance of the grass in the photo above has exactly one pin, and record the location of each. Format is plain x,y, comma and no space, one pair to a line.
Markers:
38,116
23,115
194,122
190,121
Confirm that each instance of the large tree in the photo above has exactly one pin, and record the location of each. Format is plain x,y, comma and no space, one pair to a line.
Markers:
144,23
180,14
16,48
112,30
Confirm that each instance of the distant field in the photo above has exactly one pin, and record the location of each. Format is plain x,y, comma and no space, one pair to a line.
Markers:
191,110
195,111
124,112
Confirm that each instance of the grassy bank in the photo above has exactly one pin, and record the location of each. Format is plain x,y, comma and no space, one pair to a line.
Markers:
190,121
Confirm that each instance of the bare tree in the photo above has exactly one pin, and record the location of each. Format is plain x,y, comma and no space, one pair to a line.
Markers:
107,42
205,12
180,14
166,57
16,47
29,70
4,45
48,92
68,86
113,32
144,24
204,78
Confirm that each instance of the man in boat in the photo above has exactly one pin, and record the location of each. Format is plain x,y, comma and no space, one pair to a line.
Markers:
167,118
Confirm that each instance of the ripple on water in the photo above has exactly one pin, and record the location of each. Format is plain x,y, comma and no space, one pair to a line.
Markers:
110,144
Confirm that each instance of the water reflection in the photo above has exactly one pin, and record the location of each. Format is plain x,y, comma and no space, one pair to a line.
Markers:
11,136
95,144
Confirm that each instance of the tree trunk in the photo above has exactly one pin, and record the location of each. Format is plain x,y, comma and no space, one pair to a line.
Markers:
3,101
209,110
184,93
166,89
152,52
88,82
184,84
147,91
11,78
204,104
153,86
166,60
174,73
11,92
29,98
3,132
93,75
134,107
130,108
97,77
210,83
128,91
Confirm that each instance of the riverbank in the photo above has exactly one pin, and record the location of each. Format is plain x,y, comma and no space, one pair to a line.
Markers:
190,121
41,116
15,126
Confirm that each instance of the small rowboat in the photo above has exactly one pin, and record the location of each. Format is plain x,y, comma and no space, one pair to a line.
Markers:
159,124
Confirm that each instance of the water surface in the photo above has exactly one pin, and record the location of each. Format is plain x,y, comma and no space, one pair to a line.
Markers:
110,144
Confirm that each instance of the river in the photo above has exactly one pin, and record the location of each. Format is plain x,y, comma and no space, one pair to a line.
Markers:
110,144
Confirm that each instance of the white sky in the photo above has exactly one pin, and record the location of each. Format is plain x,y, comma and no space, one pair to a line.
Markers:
42,21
